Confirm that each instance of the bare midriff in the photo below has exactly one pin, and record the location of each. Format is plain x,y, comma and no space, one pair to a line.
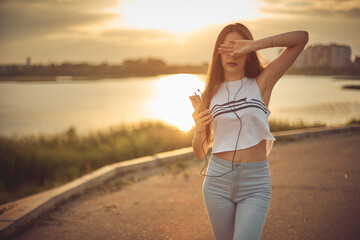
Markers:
252,154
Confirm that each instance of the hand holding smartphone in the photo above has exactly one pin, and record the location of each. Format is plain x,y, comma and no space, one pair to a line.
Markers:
202,117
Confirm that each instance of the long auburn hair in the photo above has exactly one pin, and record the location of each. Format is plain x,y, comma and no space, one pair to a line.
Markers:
215,75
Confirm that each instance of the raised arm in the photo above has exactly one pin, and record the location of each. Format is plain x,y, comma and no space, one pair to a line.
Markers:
294,43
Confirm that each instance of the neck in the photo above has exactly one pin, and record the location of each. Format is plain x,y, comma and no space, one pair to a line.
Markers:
229,77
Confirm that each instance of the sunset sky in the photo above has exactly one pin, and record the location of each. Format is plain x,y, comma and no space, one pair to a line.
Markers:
178,31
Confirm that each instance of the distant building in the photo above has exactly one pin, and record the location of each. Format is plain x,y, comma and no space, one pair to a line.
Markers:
357,62
331,56
28,62
2,69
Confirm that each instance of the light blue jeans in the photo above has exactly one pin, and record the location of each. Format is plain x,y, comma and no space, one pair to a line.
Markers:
238,202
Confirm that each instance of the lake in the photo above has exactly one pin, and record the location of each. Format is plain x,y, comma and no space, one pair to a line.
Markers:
90,105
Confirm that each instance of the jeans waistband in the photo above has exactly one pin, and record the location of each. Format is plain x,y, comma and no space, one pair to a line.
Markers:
228,164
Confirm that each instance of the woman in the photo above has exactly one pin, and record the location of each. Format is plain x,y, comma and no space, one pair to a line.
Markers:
235,101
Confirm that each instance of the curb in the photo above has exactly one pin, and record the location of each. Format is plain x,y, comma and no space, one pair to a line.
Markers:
25,210
314,132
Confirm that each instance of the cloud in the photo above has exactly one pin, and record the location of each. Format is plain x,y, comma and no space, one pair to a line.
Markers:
136,37
352,13
83,4
23,19
329,8
116,45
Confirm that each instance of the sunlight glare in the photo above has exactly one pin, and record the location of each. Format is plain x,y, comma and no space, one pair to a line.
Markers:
182,16
172,104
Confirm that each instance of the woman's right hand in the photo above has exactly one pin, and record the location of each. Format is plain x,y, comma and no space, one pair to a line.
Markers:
201,118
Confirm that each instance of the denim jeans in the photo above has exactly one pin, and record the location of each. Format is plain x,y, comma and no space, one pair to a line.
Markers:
237,202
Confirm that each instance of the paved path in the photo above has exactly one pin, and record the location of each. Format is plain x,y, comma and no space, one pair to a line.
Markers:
315,195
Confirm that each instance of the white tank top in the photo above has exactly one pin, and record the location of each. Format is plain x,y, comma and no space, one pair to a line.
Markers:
250,107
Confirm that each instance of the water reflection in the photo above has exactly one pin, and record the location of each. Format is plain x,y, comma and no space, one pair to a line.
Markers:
50,107
172,103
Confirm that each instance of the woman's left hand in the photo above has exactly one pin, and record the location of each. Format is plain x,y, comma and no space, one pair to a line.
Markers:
236,48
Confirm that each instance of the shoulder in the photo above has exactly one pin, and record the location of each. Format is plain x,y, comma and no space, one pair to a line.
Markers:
252,82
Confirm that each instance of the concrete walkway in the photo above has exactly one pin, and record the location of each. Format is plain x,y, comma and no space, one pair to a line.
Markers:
315,195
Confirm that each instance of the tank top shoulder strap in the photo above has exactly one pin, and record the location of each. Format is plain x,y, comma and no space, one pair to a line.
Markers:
256,90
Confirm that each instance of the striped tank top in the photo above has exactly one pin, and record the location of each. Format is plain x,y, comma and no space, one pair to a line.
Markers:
242,97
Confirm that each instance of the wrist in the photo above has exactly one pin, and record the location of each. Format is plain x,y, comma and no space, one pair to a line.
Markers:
263,43
254,46
271,41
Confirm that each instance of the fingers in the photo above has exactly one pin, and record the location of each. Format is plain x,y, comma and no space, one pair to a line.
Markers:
208,121
225,51
230,52
202,117
205,118
236,54
205,113
226,46
235,48
203,122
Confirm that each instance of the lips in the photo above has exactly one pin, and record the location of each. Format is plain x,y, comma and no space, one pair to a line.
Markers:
232,64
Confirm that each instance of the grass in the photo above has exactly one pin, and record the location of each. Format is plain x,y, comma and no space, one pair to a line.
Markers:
35,163
277,126
354,121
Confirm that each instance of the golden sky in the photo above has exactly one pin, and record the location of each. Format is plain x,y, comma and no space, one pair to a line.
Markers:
177,31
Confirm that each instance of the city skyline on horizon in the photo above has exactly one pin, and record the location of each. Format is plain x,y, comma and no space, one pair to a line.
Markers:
28,59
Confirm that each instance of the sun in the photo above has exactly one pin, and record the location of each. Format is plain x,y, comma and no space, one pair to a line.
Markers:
181,16
172,103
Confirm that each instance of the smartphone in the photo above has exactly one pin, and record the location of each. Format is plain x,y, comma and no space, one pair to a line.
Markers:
195,100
